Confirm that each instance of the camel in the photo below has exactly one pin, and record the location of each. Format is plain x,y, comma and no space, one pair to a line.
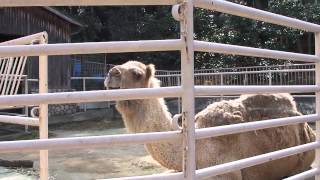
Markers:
152,115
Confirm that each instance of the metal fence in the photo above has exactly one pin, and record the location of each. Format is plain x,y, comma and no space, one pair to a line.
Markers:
294,74
90,65
182,12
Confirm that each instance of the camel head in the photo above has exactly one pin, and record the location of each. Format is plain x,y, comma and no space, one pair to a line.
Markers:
131,74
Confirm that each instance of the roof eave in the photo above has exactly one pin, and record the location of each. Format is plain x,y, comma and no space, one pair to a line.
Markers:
64,17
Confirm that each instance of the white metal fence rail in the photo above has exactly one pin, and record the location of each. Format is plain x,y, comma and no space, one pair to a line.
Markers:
186,45
258,77
293,74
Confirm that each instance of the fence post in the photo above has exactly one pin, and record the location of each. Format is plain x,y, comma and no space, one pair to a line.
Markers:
221,79
26,91
43,111
317,74
245,79
270,78
169,78
84,89
179,99
184,14
221,83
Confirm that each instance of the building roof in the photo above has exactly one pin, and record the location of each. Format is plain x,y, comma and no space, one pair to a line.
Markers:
62,16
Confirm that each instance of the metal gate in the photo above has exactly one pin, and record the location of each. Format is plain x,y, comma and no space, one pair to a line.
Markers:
182,11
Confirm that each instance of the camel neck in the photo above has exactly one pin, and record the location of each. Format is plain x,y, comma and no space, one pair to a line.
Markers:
149,115
152,115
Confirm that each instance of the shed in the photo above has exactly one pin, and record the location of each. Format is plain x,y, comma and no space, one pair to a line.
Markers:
21,21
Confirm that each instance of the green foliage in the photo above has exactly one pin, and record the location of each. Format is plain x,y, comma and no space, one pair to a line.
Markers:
154,22
143,23
228,29
90,20
125,24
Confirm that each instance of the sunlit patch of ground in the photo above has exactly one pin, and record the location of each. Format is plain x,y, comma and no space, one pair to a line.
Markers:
78,164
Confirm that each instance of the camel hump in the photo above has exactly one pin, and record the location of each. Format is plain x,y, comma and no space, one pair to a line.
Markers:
247,108
279,101
220,113
269,105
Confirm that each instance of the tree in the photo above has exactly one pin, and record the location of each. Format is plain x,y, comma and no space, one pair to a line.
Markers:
155,22
228,29
125,24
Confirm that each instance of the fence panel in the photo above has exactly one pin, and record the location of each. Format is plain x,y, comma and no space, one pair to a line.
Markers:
186,45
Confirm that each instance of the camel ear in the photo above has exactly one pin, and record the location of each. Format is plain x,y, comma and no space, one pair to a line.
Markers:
150,71
237,113
237,117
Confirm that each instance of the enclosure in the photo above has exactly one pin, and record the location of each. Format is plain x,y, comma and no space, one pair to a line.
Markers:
183,12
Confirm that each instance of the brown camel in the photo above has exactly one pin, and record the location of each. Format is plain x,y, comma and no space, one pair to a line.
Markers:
152,115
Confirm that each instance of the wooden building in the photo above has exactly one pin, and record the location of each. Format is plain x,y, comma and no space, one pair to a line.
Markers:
18,22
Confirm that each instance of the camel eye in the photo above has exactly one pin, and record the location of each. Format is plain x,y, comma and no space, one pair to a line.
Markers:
137,74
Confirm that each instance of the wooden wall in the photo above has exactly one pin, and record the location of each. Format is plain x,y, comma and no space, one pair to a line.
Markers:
17,22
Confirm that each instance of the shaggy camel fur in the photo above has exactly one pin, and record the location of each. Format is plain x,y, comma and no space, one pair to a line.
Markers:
152,115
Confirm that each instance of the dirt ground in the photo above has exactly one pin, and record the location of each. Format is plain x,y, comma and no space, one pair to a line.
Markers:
83,164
